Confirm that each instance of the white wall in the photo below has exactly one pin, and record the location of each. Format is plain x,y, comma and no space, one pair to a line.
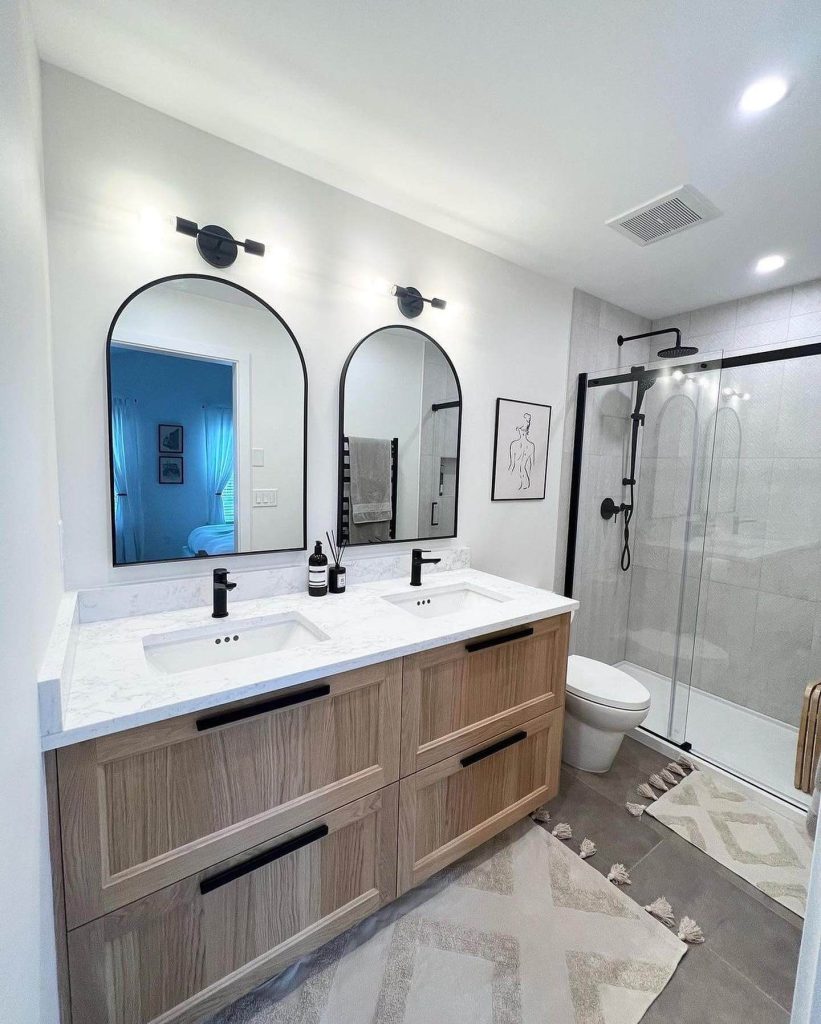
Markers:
505,329
30,580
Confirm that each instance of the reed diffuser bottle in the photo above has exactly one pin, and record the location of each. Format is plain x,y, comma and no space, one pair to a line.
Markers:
336,574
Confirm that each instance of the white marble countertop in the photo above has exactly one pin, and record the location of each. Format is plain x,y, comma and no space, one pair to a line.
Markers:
112,686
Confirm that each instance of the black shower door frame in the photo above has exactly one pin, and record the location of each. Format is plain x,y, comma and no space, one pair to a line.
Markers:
635,374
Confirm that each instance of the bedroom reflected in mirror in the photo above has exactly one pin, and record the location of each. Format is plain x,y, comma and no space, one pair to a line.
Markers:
400,413
207,403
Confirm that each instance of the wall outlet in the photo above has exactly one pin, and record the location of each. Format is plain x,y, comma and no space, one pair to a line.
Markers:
265,497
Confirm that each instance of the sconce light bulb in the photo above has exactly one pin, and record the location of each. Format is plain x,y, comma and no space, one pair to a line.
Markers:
727,391
678,374
278,256
382,286
152,222
745,397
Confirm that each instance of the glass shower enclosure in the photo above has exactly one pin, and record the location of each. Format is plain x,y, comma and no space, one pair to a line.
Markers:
694,547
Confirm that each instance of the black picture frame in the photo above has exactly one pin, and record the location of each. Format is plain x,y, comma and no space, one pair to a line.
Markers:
165,428
109,396
163,459
494,496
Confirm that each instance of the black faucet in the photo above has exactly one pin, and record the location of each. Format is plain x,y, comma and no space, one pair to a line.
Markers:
221,588
417,561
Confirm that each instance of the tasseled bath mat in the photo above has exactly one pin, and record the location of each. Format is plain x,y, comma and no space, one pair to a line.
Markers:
768,849
521,930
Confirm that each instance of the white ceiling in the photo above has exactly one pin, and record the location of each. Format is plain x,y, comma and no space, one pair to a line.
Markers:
518,126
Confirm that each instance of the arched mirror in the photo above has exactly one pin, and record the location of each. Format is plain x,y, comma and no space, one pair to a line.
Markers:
207,400
400,415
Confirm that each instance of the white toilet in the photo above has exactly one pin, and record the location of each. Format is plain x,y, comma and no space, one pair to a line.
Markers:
603,703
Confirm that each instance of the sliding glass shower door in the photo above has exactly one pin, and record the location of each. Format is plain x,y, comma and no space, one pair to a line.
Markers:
637,572
758,635
702,577
670,529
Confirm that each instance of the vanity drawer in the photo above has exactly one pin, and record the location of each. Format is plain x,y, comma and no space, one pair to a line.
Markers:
462,694
458,804
181,954
142,809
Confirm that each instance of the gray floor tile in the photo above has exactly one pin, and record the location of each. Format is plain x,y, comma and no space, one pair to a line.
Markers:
707,990
646,758
746,933
610,827
744,973
619,784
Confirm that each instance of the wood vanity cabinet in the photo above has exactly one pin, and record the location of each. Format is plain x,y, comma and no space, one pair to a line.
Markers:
452,807
203,854
144,808
465,693
185,951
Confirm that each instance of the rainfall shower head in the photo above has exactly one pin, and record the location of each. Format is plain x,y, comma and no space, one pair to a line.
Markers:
665,353
677,350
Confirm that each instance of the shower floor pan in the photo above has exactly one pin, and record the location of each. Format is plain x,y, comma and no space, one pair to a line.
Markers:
744,742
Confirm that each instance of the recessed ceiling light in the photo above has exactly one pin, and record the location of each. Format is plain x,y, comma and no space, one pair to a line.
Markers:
763,94
767,264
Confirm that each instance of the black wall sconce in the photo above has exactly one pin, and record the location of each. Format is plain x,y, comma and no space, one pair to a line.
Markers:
216,245
411,302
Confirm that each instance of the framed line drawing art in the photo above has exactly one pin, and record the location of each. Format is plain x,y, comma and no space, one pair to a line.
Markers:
520,444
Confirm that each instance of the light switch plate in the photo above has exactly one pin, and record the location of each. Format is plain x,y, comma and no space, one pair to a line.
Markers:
265,497
257,457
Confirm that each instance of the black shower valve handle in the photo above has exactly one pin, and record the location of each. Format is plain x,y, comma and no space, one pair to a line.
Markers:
610,510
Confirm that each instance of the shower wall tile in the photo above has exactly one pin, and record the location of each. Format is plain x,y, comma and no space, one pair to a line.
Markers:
724,641
757,309
616,321
600,625
804,327
652,617
713,343
586,308
601,549
798,430
781,659
680,320
595,325
767,334
712,319
793,572
806,298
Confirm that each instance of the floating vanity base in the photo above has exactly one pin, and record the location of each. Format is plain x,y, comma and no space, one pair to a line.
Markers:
198,856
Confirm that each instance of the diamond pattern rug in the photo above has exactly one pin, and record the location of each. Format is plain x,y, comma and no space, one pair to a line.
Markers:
766,848
522,931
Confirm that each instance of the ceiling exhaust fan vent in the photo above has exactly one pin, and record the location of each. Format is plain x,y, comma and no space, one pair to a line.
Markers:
665,215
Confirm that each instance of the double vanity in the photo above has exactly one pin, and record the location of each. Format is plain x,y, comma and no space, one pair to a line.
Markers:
227,795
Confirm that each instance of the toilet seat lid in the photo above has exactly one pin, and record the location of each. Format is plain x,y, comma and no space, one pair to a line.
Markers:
593,680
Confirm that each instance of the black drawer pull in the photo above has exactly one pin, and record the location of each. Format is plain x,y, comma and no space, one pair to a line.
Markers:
230,874
480,755
494,641
274,704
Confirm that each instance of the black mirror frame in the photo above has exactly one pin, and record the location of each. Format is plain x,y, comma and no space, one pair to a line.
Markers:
340,443
292,336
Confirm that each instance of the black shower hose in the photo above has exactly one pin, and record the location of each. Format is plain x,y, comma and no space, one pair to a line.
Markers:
625,551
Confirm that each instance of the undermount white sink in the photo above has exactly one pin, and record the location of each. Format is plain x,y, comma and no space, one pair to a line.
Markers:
432,602
207,646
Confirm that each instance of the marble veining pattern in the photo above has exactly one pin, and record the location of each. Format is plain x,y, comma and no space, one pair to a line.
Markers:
148,596
113,687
